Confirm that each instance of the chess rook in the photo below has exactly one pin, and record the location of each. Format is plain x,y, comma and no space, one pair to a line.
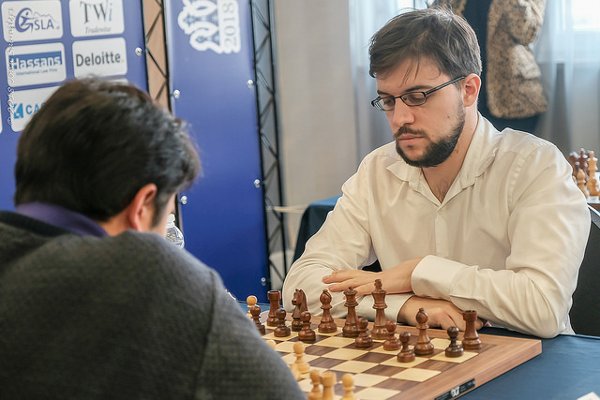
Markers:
274,297
471,339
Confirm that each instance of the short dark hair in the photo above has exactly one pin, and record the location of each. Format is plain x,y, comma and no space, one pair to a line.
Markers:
95,143
434,33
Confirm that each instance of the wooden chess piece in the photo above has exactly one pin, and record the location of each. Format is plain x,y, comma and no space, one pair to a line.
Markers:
348,384
423,346
363,340
255,313
582,182
406,355
299,302
251,302
379,331
592,183
454,349
282,329
583,160
295,372
328,380
306,334
274,297
573,157
350,328
302,365
391,343
315,378
327,324
471,339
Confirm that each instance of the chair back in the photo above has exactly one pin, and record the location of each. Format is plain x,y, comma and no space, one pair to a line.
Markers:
585,312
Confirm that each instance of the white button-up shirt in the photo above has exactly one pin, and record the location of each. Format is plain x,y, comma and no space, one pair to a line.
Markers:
507,239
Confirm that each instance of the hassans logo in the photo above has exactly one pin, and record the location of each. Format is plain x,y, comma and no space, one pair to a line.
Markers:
27,20
35,60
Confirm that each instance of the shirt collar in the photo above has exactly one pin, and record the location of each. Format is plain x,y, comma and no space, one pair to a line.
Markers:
59,216
480,155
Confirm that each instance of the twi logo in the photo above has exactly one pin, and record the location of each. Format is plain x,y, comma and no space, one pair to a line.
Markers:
211,26
31,20
35,64
96,17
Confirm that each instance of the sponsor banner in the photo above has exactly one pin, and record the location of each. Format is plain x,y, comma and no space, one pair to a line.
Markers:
24,103
96,17
35,64
104,57
212,25
31,20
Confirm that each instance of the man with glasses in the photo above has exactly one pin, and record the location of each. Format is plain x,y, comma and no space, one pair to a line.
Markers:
459,215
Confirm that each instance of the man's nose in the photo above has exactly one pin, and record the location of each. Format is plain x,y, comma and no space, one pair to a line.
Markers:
400,116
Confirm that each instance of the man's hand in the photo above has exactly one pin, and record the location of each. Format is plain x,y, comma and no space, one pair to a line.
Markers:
393,280
442,313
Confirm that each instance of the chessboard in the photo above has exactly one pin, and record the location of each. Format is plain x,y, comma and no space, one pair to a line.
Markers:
377,373
362,366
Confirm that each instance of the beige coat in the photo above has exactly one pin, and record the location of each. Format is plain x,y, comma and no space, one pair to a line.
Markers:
514,84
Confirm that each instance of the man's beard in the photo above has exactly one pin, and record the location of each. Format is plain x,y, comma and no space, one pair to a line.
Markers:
437,152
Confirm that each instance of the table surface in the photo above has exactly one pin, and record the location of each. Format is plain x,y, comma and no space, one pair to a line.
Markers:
568,368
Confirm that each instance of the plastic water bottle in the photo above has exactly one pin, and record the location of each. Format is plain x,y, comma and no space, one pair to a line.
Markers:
174,235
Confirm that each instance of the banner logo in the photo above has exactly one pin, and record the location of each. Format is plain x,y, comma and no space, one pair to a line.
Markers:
96,17
35,64
25,103
212,25
103,57
31,20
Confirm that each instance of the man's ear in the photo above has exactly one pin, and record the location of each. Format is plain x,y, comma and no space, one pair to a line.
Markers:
472,87
140,212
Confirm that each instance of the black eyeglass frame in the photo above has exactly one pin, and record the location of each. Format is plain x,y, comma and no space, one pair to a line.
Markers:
376,102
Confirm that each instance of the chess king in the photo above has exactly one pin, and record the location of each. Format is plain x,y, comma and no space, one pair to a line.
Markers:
459,215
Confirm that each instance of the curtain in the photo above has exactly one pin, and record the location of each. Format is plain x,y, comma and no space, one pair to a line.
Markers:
568,52
366,17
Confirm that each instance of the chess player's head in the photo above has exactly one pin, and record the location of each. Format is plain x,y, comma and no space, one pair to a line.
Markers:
107,151
427,65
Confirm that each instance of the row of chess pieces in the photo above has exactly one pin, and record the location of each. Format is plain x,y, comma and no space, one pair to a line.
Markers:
357,328
584,164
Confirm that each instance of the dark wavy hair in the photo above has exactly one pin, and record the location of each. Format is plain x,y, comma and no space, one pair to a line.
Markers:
95,143
433,33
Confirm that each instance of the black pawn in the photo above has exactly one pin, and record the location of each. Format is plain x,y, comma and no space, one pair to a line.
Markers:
282,329
255,312
363,340
391,342
406,355
454,349
306,334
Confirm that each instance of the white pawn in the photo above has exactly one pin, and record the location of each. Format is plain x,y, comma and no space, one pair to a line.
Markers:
328,379
302,365
315,393
251,302
348,383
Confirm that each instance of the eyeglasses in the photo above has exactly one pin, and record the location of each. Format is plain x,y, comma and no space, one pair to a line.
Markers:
411,99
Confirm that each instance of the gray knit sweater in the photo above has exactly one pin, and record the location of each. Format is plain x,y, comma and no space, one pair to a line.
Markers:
125,317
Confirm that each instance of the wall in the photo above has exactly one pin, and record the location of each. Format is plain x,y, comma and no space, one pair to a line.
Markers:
316,100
